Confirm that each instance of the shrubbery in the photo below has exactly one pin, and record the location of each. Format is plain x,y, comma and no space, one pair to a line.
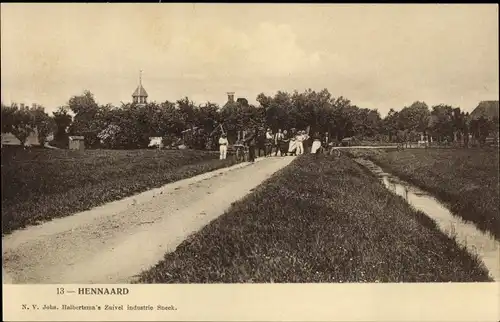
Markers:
131,125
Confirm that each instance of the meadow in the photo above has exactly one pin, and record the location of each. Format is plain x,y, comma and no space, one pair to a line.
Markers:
43,184
466,179
319,220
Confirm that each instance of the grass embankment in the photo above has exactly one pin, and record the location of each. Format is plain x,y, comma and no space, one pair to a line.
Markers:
466,179
44,184
318,220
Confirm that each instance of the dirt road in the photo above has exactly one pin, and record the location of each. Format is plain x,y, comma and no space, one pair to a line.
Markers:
115,242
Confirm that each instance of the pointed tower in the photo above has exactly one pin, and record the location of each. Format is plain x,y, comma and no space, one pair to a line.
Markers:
140,95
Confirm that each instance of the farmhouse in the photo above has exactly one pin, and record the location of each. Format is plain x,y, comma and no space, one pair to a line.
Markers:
241,101
487,109
490,111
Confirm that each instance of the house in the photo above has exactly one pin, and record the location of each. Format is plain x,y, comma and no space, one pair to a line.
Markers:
10,139
230,100
241,101
488,110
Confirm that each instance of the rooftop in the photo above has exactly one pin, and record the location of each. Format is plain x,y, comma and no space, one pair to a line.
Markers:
487,109
140,92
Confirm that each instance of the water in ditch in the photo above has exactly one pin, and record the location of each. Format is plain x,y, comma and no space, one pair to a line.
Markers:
477,242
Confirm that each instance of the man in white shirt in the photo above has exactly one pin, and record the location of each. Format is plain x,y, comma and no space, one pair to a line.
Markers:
223,143
269,142
301,137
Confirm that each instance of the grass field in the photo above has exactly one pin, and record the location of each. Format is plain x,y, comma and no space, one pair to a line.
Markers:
43,184
318,220
467,179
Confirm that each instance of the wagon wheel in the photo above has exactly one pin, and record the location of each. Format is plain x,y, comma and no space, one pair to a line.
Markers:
240,154
335,152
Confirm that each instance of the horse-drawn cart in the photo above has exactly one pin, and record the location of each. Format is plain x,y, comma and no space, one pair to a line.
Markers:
241,152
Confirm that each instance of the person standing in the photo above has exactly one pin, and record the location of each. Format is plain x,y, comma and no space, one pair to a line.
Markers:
292,146
260,142
325,142
284,143
316,145
252,142
278,137
301,137
269,142
223,143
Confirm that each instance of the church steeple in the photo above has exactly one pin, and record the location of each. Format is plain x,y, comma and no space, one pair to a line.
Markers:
140,95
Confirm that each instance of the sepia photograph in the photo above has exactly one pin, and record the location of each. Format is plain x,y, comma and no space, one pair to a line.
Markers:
249,144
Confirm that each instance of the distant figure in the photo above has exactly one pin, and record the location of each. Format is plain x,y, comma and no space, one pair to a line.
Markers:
283,145
261,142
223,143
306,143
27,146
292,146
269,143
326,140
301,137
252,142
316,146
326,143
278,137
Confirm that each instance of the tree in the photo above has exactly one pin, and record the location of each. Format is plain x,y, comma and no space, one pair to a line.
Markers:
8,117
276,110
62,121
19,121
208,116
166,119
109,137
45,125
187,110
242,101
415,117
88,120
458,121
441,125
390,124
481,129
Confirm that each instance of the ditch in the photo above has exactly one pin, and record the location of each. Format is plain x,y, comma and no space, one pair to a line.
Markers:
466,234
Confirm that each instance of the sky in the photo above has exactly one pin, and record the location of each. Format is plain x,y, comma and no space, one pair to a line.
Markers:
379,56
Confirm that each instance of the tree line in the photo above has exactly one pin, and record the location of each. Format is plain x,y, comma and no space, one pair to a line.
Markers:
130,126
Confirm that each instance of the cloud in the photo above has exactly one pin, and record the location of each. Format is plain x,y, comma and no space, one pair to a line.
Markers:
378,56
266,50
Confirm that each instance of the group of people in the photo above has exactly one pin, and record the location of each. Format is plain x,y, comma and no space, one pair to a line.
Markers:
284,142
